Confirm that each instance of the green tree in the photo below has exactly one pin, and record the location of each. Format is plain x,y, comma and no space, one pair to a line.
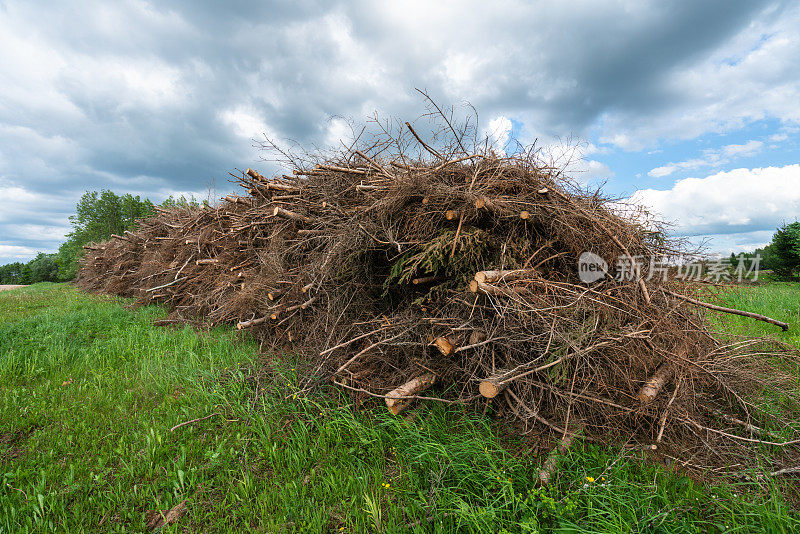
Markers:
43,268
785,251
11,273
98,215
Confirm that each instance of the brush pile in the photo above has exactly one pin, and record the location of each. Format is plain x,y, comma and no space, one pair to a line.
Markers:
458,269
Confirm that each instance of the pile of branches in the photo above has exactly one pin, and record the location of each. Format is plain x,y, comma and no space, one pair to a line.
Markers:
401,265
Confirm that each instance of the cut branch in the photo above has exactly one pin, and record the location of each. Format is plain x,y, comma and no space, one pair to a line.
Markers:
397,400
655,383
286,214
756,316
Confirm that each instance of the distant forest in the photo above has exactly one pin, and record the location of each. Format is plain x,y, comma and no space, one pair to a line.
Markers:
97,216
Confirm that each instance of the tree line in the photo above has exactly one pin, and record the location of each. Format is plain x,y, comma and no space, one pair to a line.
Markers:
781,255
97,216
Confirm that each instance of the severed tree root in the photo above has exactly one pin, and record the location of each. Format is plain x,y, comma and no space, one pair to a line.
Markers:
395,399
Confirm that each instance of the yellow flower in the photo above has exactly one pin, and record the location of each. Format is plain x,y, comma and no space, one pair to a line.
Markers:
590,479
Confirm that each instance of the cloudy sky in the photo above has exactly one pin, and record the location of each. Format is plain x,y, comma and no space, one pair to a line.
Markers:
692,108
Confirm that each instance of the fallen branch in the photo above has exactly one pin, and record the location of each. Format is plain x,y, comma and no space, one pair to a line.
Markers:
286,214
166,285
663,418
192,421
398,399
491,277
756,316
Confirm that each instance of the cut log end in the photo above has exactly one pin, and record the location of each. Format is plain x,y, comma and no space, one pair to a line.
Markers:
444,345
490,388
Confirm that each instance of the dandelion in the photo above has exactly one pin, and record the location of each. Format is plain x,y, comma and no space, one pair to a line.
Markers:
590,479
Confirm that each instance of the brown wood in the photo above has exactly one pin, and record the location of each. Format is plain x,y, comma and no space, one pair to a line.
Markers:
491,387
426,279
206,261
397,401
524,215
366,187
488,289
251,322
286,214
444,345
334,168
491,277
655,384
477,336
451,214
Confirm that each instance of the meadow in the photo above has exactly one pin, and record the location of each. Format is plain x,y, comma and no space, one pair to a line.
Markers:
91,394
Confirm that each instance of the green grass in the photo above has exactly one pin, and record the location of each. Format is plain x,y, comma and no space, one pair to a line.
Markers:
89,391
779,300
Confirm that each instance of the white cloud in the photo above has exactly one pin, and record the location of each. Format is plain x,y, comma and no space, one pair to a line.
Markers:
596,169
499,132
711,158
750,148
12,253
735,202
338,131
245,122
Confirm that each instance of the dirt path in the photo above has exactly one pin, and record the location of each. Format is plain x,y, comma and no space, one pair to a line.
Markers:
4,287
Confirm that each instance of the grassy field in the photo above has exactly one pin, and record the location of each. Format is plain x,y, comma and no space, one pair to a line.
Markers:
89,391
